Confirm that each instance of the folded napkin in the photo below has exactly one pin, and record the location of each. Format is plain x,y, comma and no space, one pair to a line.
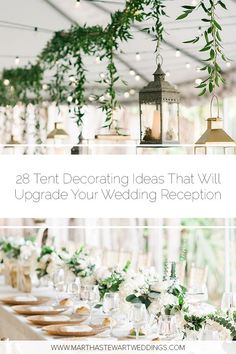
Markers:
76,329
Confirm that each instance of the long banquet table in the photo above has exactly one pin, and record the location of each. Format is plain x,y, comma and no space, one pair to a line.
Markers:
16,327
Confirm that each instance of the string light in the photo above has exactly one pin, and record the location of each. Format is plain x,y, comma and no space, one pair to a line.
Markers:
228,64
102,75
6,82
45,87
72,78
91,98
77,3
188,66
137,56
132,92
17,60
137,77
101,98
69,99
131,72
198,81
167,74
126,94
177,53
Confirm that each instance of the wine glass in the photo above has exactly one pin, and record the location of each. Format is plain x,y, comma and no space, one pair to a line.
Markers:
228,303
94,296
138,317
111,303
73,288
59,284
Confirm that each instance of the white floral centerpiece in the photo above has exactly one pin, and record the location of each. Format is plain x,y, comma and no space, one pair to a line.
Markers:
82,265
10,249
48,262
110,279
17,255
159,296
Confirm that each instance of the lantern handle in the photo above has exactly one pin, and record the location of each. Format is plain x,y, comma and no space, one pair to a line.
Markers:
159,59
211,105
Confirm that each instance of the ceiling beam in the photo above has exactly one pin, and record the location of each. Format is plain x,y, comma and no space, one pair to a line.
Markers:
71,20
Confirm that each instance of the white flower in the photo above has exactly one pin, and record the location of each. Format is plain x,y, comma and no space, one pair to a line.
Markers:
135,283
224,333
155,307
102,273
83,264
159,286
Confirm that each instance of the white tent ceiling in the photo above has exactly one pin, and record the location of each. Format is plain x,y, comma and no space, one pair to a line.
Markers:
18,38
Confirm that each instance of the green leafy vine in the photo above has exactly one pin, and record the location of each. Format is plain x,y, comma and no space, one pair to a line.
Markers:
213,43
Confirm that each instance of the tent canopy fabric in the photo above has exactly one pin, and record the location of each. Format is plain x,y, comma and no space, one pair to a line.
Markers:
18,38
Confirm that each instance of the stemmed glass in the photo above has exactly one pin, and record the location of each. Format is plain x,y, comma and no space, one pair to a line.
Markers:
59,284
73,288
111,302
228,303
138,317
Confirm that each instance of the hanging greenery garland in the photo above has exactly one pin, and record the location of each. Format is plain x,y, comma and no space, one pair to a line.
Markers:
64,54
22,85
212,42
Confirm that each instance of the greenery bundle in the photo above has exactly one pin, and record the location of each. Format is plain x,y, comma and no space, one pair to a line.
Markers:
64,55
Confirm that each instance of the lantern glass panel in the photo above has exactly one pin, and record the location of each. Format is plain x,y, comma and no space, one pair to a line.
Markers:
170,122
151,123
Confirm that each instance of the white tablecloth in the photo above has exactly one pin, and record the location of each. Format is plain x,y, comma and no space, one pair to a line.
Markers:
16,327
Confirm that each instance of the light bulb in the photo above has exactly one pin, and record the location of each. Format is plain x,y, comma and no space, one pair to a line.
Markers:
167,74
102,75
72,78
17,60
132,91
177,53
77,3
131,72
137,77
137,56
69,99
91,98
228,64
6,82
101,98
188,66
45,86
126,94
198,81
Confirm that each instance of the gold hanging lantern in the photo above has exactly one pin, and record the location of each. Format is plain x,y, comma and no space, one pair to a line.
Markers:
215,135
12,141
58,132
